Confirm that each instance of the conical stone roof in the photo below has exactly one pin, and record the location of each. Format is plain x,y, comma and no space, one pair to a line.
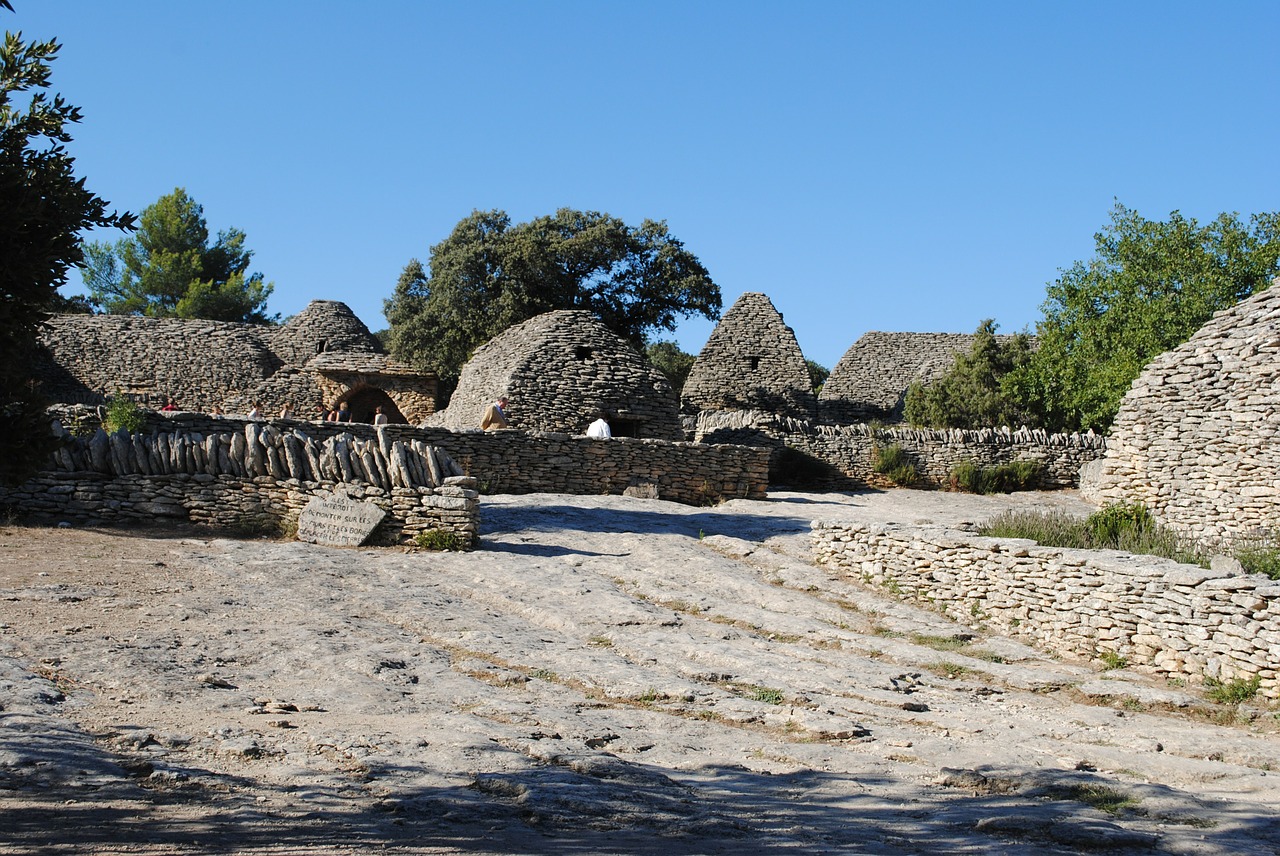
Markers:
752,361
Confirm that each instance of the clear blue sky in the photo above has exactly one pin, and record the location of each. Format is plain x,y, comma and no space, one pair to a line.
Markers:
869,166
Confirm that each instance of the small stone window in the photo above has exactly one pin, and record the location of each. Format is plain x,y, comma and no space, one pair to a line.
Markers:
320,345
754,363
582,353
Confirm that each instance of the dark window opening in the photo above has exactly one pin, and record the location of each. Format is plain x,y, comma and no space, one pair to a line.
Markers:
581,353
624,427
755,362
320,346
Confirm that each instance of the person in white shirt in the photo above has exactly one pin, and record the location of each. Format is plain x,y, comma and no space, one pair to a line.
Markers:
379,418
599,429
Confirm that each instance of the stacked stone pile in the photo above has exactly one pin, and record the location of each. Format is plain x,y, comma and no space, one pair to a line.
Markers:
1181,621
1195,439
752,361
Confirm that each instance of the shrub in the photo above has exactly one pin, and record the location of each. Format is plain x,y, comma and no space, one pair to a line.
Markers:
1233,691
969,477
895,464
122,413
1115,523
1260,560
439,540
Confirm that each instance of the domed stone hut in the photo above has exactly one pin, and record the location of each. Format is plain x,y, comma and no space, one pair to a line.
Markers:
752,361
871,379
320,356
1197,436
558,370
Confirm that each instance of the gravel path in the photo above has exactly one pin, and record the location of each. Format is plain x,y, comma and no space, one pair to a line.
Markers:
606,675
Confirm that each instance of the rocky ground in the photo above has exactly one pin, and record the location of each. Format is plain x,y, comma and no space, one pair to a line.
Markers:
605,675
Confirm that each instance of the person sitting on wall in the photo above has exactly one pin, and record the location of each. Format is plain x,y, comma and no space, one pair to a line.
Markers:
379,418
599,430
286,412
216,412
321,413
169,407
495,415
341,414
255,411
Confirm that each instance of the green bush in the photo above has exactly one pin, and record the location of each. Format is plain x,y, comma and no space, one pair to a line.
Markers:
1260,559
438,539
895,464
1232,692
122,413
1110,526
969,477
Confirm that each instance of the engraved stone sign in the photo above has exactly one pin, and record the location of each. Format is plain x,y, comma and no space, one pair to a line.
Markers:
338,521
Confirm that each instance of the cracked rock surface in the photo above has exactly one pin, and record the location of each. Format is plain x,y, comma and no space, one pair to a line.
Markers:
604,675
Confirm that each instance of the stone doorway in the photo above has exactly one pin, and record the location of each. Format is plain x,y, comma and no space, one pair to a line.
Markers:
362,401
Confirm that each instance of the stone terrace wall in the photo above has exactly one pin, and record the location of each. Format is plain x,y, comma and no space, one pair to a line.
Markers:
751,362
539,462
1176,620
842,458
1197,437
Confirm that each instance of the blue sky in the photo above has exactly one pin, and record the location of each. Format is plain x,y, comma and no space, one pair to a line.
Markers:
869,166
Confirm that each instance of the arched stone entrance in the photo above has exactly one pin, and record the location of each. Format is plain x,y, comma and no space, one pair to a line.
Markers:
362,400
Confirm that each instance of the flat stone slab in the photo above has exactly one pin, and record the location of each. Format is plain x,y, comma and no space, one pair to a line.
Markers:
338,521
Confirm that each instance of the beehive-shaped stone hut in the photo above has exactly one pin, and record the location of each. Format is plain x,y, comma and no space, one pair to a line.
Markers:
558,370
1197,437
751,362
323,354
871,379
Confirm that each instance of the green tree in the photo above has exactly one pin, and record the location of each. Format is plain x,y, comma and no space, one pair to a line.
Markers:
43,209
970,394
169,269
667,358
1148,288
488,275
818,375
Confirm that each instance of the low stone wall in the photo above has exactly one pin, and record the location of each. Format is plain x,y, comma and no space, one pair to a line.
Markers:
243,504
1177,620
843,458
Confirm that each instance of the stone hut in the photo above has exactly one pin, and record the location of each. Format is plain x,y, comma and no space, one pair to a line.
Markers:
1197,436
321,355
751,362
871,379
558,370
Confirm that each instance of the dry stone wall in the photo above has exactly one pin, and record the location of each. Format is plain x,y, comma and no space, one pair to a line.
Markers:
843,458
1180,621
237,472
1196,437
752,361
501,461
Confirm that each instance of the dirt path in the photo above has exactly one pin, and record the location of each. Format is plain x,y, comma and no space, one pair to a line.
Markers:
605,675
